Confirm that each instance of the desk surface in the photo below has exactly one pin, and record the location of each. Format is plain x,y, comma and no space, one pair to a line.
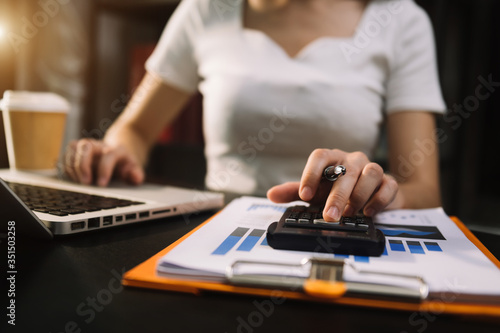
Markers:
71,285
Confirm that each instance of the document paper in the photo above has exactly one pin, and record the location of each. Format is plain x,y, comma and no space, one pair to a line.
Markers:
424,243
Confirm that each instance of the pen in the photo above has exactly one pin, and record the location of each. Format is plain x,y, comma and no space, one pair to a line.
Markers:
332,173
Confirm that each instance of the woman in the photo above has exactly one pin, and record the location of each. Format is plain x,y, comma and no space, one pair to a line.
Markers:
288,83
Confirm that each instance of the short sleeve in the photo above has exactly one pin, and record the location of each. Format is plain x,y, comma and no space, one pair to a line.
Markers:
173,59
413,82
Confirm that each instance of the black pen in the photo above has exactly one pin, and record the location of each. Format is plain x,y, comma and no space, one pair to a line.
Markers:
332,173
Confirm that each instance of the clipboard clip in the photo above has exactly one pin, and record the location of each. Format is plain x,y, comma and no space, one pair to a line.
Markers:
325,278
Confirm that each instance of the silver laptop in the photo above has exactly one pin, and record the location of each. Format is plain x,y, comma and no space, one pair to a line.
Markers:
44,205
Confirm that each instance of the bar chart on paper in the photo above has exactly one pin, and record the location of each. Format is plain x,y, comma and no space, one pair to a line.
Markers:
408,239
245,238
401,240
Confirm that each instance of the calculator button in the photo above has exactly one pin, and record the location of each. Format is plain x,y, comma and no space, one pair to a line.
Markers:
362,226
350,224
323,222
303,220
290,220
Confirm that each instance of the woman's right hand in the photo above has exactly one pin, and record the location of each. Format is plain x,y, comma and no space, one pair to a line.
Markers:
90,161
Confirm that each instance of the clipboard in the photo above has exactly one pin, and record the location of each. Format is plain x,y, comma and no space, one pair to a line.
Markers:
324,284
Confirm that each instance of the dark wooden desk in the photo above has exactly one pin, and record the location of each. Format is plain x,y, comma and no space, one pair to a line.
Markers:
72,285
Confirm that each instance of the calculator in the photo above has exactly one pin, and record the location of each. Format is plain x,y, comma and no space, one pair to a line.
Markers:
303,228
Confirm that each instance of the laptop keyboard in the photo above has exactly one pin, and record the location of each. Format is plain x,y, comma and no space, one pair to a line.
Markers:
63,203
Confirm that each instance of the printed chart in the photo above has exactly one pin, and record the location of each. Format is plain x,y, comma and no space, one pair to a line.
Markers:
250,239
414,240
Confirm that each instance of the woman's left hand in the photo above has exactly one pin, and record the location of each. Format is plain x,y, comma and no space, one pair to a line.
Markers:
364,186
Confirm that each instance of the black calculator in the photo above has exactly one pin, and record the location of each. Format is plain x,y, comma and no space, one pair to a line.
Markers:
303,228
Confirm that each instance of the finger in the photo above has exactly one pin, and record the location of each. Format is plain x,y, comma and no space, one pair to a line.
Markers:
284,193
313,171
130,171
69,160
339,196
342,188
135,175
110,158
367,184
87,151
383,197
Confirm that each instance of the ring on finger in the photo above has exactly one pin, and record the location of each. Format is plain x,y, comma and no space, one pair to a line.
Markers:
332,173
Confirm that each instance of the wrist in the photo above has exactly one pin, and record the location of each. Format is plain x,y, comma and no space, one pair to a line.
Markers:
416,196
125,138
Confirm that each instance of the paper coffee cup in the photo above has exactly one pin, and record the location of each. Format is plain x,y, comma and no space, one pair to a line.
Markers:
34,128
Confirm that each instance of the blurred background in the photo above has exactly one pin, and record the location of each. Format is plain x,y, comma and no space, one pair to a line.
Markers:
93,51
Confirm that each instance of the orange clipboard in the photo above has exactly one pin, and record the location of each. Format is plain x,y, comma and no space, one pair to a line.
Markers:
144,276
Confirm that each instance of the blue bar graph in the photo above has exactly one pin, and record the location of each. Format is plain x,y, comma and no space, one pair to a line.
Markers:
396,245
252,239
362,259
264,242
230,241
415,247
432,246
356,258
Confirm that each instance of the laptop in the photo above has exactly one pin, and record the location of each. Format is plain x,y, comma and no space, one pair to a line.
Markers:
43,206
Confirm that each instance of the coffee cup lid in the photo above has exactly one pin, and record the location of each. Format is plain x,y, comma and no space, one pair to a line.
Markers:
33,101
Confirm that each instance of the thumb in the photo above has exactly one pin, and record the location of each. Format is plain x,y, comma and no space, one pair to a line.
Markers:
284,193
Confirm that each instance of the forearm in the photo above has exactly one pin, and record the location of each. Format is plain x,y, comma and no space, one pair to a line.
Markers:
415,169
153,105
416,195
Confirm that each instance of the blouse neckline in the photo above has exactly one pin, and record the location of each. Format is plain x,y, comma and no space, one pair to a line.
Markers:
309,46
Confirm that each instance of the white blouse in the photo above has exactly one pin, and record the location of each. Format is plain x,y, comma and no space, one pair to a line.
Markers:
264,112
